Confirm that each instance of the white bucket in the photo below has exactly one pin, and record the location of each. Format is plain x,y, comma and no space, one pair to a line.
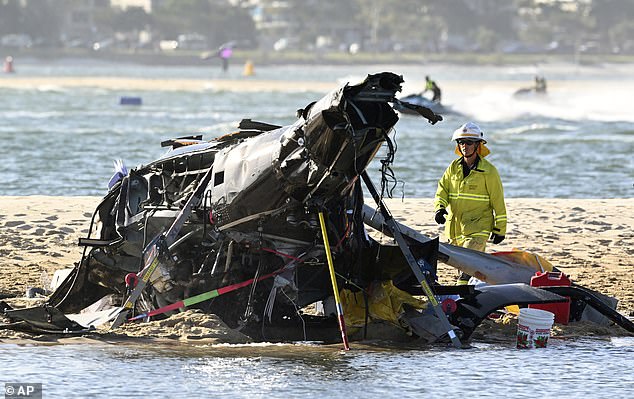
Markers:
533,328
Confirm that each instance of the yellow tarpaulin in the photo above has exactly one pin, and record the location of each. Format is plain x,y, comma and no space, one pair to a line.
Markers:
385,303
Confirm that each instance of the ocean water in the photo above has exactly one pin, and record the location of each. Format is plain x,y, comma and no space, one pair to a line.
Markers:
577,142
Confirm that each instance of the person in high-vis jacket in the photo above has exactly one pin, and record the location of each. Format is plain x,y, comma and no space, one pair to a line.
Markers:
430,85
470,195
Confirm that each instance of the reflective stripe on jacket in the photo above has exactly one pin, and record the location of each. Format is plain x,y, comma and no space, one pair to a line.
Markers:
475,203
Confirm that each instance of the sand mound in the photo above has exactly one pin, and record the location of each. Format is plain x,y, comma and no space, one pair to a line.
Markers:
190,325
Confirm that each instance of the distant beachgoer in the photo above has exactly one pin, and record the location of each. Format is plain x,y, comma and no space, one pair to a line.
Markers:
471,189
225,52
430,85
8,65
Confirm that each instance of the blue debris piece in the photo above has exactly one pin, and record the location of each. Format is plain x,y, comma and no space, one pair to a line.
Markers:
130,101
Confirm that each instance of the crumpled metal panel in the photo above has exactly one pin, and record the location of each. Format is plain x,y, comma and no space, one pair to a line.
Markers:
243,164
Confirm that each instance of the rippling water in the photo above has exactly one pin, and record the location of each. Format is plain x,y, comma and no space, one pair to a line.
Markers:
575,143
582,368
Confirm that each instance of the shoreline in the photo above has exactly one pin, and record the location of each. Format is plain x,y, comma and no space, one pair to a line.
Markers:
247,84
270,57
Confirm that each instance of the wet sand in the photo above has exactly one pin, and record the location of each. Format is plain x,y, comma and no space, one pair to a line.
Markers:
112,83
591,240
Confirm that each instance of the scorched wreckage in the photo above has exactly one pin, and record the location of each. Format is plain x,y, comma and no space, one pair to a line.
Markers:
258,225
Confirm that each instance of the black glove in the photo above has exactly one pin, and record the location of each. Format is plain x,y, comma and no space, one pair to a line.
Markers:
497,238
440,216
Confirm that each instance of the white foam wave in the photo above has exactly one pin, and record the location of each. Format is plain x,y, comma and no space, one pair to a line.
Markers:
591,101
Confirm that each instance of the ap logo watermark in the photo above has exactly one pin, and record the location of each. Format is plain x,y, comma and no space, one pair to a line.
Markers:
22,390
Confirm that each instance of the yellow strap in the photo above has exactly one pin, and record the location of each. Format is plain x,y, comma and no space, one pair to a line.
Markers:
333,279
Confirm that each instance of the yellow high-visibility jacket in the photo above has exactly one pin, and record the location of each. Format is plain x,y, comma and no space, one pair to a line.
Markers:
475,203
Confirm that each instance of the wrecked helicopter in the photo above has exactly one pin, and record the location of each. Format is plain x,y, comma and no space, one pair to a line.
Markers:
259,225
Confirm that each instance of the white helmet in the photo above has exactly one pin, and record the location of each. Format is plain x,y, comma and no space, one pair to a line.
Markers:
469,131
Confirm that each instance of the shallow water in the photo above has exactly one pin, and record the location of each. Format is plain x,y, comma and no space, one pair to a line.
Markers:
575,143
565,369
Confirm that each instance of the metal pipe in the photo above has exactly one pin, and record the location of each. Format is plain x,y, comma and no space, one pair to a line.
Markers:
229,255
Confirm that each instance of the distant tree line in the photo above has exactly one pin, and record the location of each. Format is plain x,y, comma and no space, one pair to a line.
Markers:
473,25
375,25
217,20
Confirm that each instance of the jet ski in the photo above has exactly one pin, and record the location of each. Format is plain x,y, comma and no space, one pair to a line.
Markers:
527,92
538,90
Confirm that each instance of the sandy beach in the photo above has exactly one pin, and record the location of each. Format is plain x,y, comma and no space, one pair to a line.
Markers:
591,240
